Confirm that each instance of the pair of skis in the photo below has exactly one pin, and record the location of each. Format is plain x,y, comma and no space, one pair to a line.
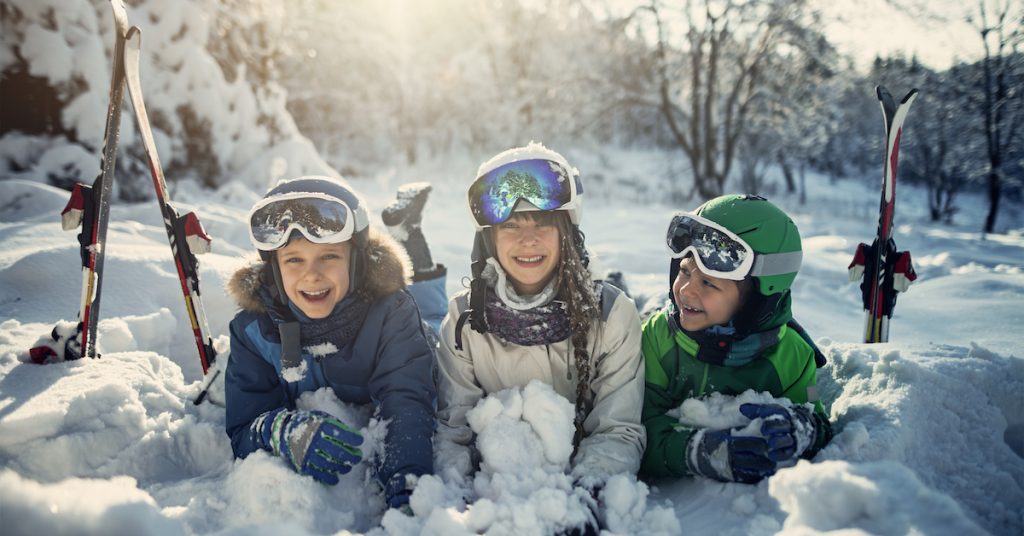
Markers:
884,271
89,209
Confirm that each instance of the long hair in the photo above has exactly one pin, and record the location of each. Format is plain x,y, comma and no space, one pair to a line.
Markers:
577,291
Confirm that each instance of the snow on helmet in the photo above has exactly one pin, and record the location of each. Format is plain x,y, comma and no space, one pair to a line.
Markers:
529,178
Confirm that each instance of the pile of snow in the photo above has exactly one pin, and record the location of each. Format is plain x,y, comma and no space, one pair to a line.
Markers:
930,427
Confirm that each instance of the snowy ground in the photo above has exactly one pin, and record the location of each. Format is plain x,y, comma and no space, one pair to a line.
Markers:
930,426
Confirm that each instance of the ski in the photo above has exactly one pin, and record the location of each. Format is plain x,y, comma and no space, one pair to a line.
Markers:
89,209
185,234
884,271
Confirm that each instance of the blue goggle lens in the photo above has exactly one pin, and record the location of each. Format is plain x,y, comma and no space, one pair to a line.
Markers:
494,195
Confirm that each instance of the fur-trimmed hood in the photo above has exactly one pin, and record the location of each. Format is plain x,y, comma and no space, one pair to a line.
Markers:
388,270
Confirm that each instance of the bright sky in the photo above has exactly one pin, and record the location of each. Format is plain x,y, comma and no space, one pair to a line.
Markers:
935,30
866,28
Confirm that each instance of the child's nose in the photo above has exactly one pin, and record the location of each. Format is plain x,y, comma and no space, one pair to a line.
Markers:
529,235
314,272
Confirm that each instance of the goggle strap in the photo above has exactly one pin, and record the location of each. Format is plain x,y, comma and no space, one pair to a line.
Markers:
769,264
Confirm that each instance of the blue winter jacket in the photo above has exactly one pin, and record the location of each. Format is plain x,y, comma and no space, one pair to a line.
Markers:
389,363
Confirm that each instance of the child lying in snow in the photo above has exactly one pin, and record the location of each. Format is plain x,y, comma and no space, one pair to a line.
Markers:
534,312
728,328
328,306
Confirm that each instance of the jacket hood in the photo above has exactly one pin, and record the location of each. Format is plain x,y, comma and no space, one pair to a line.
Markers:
388,270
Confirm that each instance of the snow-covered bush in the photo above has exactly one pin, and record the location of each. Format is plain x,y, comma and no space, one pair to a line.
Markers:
55,57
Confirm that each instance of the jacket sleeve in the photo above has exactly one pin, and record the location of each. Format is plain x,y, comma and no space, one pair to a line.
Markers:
402,386
666,436
251,387
458,392
615,436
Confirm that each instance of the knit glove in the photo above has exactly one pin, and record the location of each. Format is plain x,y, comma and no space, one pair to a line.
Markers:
313,443
726,456
790,431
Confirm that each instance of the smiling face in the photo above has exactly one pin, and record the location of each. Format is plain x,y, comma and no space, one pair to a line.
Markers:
315,276
703,301
528,248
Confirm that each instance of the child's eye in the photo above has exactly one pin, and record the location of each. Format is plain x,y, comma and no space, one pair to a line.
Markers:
685,272
709,284
292,260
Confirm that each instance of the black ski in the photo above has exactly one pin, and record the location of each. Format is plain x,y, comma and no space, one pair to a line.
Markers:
89,208
184,233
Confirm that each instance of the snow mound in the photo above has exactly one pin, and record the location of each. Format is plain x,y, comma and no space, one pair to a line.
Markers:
525,441
877,498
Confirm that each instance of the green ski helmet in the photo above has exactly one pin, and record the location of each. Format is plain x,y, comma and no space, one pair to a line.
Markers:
722,233
766,229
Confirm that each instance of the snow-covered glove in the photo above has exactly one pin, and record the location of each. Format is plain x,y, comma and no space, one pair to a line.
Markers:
313,443
727,456
789,431
724,456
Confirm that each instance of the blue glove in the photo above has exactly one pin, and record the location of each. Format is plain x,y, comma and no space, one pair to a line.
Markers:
312,442
720,455
788,431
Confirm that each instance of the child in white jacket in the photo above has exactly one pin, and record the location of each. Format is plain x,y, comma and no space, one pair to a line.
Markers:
534,312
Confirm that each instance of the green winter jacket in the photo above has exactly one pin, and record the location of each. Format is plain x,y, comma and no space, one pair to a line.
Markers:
674,375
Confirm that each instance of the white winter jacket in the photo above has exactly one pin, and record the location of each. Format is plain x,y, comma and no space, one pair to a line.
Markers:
615,437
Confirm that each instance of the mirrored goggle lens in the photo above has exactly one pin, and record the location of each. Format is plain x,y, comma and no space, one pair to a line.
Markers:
493,196
714,247
320,219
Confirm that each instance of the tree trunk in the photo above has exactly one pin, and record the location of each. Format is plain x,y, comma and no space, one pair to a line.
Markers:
994,193
787,173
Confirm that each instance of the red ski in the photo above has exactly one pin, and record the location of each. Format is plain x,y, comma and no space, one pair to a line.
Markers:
184,233
884,271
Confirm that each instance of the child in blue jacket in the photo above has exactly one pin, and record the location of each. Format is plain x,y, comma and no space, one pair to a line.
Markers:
329,307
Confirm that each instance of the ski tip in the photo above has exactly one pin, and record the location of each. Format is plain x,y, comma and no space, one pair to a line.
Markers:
909,96
120,14
133,33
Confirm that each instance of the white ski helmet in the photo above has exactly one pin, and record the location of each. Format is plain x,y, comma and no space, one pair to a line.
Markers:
530,178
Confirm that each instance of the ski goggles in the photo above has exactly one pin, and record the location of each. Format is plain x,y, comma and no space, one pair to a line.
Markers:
544,184
320,218
721,253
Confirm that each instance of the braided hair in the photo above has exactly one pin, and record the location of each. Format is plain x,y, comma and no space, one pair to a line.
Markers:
577,291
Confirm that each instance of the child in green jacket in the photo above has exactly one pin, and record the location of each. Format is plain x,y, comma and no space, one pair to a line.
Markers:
729,329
